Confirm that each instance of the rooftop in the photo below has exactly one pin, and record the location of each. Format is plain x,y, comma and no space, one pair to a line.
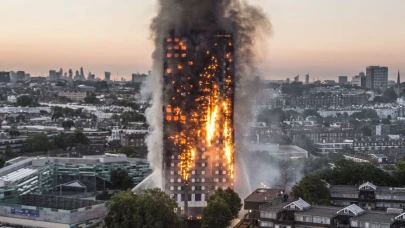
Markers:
264,194
375,217
319,211
46,201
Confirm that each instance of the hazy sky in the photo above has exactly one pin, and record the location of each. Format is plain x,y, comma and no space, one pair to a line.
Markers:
325,38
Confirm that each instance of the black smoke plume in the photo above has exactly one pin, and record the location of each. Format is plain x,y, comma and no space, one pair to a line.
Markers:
250,28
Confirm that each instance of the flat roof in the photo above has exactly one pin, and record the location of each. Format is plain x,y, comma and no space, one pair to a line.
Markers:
381,218
322,211
47,201
263,195
18,174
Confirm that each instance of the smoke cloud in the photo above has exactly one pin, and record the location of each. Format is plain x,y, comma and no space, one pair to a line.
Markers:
250,28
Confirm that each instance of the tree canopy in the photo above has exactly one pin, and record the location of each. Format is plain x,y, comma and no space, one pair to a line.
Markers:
153,208
230,197
217,214
25,101
121,180
271,116
37,142
312,189
348,172
91,100
304,142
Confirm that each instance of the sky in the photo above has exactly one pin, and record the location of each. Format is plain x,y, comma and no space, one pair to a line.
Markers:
325,38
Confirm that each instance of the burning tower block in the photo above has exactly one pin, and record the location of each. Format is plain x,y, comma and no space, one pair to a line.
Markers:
198,98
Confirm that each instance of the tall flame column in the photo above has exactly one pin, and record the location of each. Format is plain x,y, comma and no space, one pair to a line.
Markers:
198,98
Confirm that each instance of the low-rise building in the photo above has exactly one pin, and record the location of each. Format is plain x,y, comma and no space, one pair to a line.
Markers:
51,212
76,96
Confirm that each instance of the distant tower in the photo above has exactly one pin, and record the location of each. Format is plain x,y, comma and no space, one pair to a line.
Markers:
107,76
307,79
81,72
398,86
70,74
297,78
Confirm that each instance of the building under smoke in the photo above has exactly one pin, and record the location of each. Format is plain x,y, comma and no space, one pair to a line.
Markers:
198,99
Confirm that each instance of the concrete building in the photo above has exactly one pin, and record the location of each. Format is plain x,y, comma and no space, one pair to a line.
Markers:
342,79
12,99
27,175
20,76
139,78
359,80
282,152
4,77
51,212
307,79
76,96
107,76
377,77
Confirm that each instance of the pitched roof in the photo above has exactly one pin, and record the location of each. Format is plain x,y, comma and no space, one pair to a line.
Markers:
300,205
352,209
367,186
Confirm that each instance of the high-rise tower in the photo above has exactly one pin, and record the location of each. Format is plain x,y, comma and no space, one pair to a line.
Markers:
198,99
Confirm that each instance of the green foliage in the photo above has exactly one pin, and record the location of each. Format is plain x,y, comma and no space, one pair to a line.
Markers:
37,142
2,161
127,117
78,137
314,164
348,172
312,189
366,131
61,141
365,114
126,103
230,197
121,180
386,121
399,172
390,94
153,208
14,131
217,214
304,142
91,100
68,124
25,101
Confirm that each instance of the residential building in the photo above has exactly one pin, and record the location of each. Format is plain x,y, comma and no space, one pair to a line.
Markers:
107,76
327,100
77,96
377,77
307,79
4,77
321,135
20,76
139,78
342,79
12,99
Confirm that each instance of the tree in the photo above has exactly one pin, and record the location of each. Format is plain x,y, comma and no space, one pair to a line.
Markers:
304,142
385,121
370,114
61,141
127,117
37,142
121,180
14,131
390,94
312,189
230,197
346,172
8,153
217,214
366,131
68,124
91,100
24,101
78,137
2,161
399,172
56,115
152,208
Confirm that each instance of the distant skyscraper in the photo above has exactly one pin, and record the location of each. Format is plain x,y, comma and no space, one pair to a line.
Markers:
27,76
53,75
342,79
70,74
91,77
297,78
377,77
81,72
107,76
307,79
398,85
60,73
288,80
5,77
20,76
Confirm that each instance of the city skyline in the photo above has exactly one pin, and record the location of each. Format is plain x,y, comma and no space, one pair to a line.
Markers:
323,38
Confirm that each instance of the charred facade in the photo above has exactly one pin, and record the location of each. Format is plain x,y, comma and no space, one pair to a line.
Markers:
198,132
